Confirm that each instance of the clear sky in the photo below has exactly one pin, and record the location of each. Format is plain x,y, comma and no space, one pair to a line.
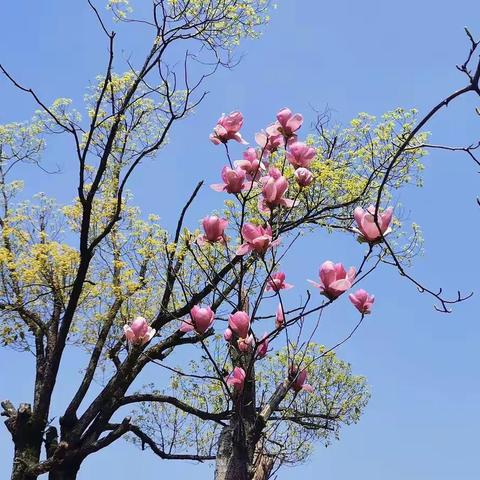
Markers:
423,419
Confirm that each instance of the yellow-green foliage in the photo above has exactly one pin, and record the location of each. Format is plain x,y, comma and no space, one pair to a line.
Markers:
349,166
38,257
218,23
20,142
140,126
127,276
338,393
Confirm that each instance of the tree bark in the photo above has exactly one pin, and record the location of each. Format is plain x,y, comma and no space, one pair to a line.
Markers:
232,458
25,455
233,461
235,453
27,439
263,467
67,471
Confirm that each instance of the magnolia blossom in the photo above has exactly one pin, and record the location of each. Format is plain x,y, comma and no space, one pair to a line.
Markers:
245,344
251,164
276,282
303,176
257,239
139,332
334,279
227,128
227,335
279,317
262,347
234,181
362,301
274,187
214,228
269,142
236,379
287,123
239,322
299,381
300,155
201,319
367,228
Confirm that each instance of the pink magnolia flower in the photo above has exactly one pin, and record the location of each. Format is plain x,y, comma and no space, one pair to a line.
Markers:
262,347
233,181
214,228
362,301
274,187
251,164
138,332
239,322
236,379
257,239
300,155
279,317
276,282
228,128
251,155
227,335
303,176
287,123
269,142
245,344
299,380
367,229
334,279
201,319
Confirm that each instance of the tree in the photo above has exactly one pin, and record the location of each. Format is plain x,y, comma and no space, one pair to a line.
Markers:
98,275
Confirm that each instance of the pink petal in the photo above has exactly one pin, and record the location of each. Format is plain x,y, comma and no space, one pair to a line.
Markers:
283,115
327,273
243,249
386,218
150,334
295,122
250,232
308,388
340,286
186,327
358,216
129,335
340,271
369,228
351,274
218,187
238,138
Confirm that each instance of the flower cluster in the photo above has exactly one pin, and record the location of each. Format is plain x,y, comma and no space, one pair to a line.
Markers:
258,174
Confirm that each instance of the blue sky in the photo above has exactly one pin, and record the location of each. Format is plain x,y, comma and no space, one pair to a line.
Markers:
423,419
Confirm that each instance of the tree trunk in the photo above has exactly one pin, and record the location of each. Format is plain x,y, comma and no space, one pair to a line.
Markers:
263,467
27,438
235,454
25,456
233,461
232,458
67,471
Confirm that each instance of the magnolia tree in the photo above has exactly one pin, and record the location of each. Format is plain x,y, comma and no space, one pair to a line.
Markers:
257,391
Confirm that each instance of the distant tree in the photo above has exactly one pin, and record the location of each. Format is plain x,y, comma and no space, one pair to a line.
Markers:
99,276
